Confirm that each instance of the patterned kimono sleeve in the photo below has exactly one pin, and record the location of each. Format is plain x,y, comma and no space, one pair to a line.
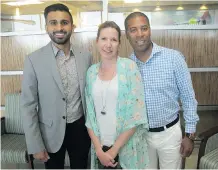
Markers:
90,110
90,115
135,103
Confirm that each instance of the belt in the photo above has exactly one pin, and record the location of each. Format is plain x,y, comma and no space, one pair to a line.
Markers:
159,129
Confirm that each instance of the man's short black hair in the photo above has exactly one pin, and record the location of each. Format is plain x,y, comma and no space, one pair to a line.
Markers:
134,15
57,7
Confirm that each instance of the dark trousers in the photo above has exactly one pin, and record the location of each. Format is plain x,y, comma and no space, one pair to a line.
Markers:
76,143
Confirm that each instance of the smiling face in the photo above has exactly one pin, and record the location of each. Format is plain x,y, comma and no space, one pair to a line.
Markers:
139,34
59,27
108,43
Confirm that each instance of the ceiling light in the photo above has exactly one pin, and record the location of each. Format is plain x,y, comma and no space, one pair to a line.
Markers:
157,8
136,10
203,7
18,3
132,1
17,12
180,8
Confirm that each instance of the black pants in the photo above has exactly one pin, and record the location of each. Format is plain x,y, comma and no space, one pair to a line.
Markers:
77,143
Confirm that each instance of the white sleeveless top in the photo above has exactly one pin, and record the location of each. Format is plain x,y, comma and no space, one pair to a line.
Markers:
105,94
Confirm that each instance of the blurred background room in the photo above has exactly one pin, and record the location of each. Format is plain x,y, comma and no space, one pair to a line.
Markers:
188,26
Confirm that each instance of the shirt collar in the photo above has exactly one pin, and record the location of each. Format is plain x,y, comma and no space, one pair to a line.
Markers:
155,49
57,50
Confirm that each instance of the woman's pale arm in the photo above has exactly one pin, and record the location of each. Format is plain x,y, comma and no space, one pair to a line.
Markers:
121,141
95,141
105,158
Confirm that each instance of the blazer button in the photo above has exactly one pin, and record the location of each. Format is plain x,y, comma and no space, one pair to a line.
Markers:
63,99
63,117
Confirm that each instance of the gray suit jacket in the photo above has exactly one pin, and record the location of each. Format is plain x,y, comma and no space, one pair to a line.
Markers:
42,98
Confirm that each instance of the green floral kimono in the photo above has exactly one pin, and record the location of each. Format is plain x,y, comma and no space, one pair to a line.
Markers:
130,112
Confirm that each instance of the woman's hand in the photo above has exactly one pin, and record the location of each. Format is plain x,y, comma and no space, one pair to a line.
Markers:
113,152
105,158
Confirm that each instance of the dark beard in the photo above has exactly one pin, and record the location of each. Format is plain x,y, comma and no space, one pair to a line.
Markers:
60,41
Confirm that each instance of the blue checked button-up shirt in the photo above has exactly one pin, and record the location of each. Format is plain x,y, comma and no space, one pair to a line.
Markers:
167,79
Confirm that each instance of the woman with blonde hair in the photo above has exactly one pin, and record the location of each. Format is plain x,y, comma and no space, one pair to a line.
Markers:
116,113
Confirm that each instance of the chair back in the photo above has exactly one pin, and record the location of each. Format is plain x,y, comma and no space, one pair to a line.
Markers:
212,143
13,119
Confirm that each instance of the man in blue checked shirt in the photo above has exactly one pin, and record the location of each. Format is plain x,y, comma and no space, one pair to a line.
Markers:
166,81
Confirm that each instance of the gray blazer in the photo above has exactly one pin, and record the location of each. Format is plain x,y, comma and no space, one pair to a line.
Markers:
42,98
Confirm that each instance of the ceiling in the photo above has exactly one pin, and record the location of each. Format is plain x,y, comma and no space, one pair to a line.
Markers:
74,6
162,2
113,6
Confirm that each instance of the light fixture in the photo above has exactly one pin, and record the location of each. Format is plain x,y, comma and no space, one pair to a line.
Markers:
203,7
179,8
136,10
158,8
17,12
132,1
19,3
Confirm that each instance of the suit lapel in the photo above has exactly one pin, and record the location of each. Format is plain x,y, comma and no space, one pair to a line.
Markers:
54,68
79,63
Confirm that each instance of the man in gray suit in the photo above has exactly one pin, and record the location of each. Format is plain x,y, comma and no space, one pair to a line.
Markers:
52,98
